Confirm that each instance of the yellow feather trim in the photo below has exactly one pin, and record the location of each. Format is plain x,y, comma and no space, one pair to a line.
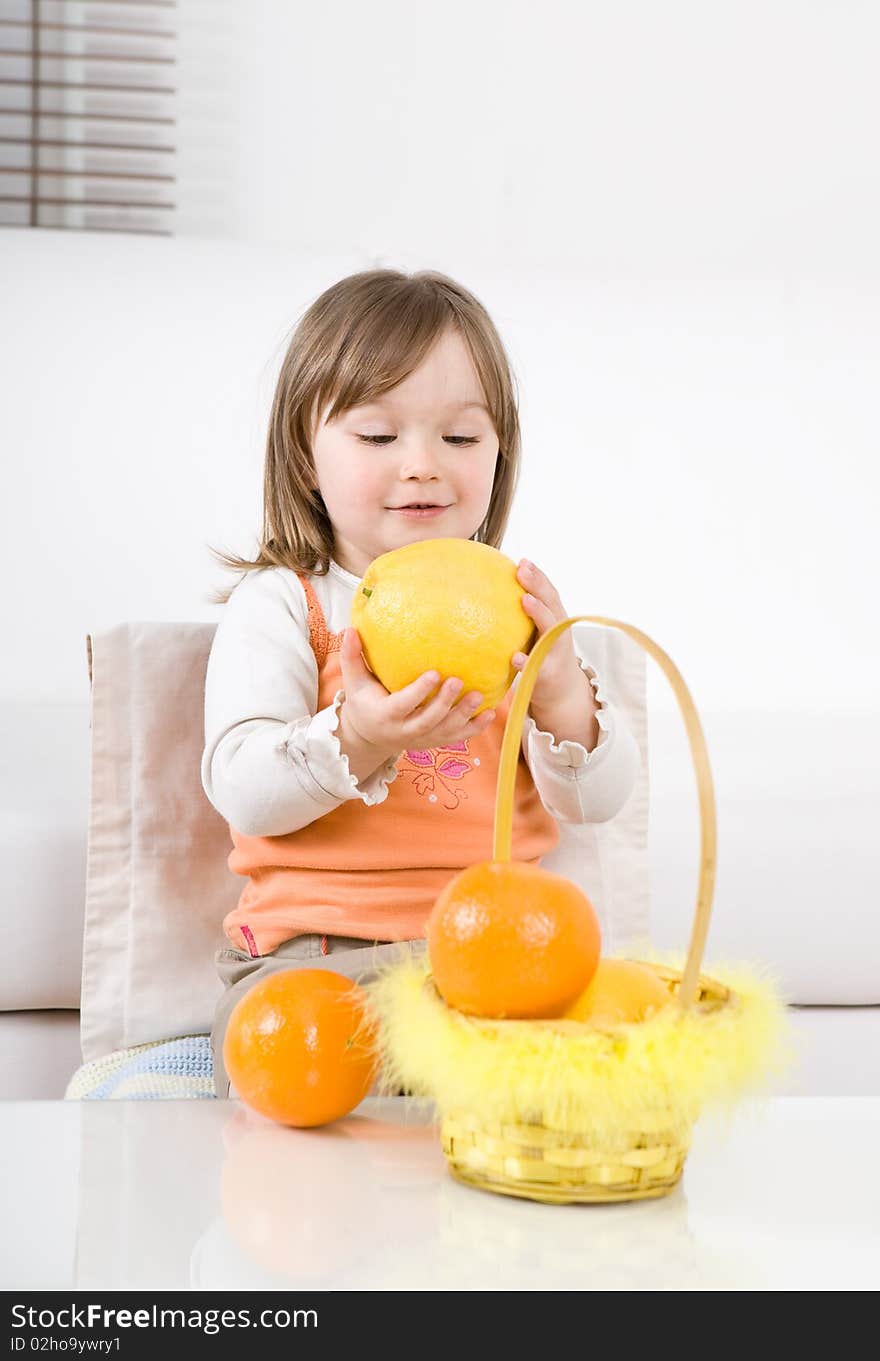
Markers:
603,1086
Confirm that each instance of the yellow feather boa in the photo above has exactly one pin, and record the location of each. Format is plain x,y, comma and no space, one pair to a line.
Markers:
598,1085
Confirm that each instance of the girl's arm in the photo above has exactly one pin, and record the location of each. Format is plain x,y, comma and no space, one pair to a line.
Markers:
577,785
271,763
582,757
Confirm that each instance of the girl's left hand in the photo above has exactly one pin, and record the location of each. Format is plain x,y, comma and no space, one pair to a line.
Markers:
559,673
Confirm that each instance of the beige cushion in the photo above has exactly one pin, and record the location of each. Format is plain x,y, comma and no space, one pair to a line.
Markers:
157,882
158,885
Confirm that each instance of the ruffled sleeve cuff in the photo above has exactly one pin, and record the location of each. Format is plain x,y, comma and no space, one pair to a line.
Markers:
568,754
313,746
580,786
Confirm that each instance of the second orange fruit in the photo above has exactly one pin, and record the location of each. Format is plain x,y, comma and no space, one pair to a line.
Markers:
509,939
299,1046
622,991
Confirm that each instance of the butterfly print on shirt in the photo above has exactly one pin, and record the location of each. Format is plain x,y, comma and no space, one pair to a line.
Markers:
433,771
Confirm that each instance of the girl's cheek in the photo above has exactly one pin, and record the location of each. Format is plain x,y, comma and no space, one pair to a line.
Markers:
363,472
372,490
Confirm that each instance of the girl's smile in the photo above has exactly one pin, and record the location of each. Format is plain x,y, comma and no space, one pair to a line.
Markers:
418,512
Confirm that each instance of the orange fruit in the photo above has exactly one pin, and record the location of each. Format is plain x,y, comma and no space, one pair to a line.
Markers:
621,991
299,1046
446,605
510,939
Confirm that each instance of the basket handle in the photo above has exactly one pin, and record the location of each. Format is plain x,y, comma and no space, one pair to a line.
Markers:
708,843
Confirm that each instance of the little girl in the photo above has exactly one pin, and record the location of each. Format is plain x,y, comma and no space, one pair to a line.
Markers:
394,420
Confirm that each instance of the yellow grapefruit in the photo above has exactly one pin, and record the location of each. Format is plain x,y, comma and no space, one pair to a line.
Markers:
446,605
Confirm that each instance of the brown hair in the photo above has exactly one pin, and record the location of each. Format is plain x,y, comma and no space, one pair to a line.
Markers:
360,338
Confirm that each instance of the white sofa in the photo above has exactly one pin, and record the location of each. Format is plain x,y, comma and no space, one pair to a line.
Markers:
139,377
793,888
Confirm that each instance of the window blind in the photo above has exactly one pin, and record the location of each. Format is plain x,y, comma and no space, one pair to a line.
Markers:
87,114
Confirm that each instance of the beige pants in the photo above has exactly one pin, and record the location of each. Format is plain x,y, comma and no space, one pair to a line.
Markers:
356,959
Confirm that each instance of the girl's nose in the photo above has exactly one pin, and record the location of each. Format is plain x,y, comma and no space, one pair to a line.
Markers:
418,463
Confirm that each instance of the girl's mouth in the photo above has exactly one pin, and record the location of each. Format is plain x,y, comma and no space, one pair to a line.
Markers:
419,512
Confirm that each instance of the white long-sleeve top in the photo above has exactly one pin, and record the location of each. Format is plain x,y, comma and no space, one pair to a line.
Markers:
272,762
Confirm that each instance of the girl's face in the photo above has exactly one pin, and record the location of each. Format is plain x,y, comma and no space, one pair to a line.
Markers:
429,440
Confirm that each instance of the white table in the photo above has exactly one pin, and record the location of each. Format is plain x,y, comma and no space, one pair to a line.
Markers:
205,1195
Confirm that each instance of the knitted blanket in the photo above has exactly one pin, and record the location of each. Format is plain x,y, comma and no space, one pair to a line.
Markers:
178,1069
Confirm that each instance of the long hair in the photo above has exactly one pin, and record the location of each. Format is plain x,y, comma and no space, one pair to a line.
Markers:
360,338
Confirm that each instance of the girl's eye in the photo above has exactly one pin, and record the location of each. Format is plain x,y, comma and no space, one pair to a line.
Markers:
386,439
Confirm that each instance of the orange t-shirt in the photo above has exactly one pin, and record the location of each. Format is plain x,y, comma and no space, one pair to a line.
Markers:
374,871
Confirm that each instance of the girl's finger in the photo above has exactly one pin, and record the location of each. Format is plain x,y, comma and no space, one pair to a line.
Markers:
537,611
468,723
355,671
436,709
350,654
442,709
416,693
473,727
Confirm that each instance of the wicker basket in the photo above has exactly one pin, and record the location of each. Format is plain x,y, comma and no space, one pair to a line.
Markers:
529,1152
560,1166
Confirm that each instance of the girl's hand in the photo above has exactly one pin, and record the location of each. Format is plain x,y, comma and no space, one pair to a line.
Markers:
394,721
559,674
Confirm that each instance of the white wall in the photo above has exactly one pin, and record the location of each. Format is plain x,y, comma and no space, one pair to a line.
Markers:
634,139
671,212
698,459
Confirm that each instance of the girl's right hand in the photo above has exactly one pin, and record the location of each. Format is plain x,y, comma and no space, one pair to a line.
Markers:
393,721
